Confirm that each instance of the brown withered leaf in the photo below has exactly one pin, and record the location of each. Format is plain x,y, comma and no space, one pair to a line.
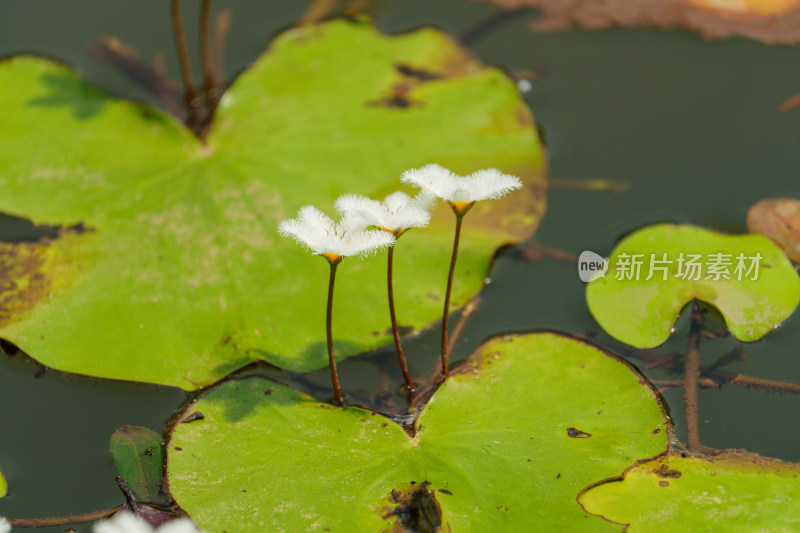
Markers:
779,220
768,21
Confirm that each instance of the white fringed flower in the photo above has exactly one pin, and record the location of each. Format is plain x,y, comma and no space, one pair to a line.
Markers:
397,213
461,192
130,523
317,232
5,527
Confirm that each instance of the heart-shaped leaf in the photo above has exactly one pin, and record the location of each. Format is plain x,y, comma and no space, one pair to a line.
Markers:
733,491
169,268
757,295
507,445
139,456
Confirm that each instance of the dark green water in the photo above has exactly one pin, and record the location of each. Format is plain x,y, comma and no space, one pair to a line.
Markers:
691,126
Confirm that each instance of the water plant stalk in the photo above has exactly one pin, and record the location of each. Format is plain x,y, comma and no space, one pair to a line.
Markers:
398,345
337,389
190,94
209,77
459,212
691,375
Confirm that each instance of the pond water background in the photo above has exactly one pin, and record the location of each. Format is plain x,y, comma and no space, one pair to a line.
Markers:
691,126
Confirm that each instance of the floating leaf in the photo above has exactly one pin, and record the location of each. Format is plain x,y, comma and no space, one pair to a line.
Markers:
733,491
642,312
3,486
177,274
779,220
504,446
139,456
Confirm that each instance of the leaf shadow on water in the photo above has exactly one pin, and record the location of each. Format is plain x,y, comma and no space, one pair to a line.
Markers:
84,101
237,407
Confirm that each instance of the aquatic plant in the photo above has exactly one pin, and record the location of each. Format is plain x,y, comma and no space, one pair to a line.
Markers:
461,193
396,214
657,271
333,241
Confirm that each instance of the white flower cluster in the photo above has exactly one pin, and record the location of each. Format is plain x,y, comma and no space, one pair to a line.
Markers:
125,522
397,213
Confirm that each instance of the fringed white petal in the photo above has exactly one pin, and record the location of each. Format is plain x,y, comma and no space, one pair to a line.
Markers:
435,179
5,527
126,522
491,184
398,211
482,185
364,243
123,523
315,231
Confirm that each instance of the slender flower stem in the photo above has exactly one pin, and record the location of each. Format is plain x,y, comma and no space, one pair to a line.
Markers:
328,320
395,331
445,351
691,374
209,78
190,94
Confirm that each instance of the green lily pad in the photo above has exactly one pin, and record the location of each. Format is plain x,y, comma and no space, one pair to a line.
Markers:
139,457
642,312
169,268
733,491
3,486
506,445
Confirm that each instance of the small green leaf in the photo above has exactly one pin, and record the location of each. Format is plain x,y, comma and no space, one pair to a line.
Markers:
733,491
139,456
178,275
3,486
642,312
506,446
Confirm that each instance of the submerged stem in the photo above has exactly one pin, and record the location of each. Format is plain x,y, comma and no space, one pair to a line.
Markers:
691,374
337,390
190,94
445,318
400,355
54,521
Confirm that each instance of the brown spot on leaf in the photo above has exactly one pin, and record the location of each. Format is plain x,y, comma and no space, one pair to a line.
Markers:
31,273
656,431
415,72
415,509
663,483
197,415
576,433
664,471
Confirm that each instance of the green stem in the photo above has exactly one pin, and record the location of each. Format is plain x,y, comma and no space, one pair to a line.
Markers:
445,318
400,355
337,390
